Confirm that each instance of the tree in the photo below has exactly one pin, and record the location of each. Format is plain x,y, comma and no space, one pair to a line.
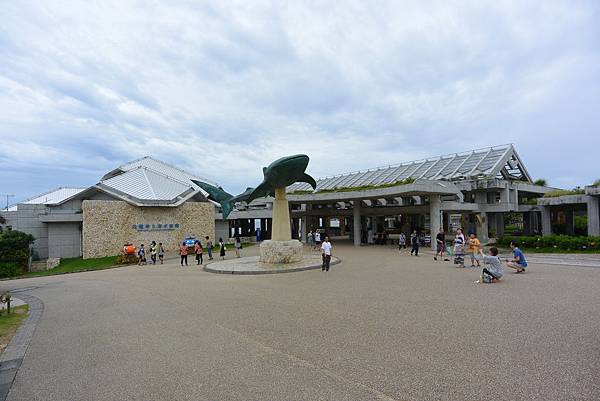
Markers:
541,182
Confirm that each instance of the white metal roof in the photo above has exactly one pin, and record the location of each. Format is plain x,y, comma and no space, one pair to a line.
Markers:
498,161
52,197
146,184
161,168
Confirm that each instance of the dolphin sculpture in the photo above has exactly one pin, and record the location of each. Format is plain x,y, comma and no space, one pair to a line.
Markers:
279,174
282,173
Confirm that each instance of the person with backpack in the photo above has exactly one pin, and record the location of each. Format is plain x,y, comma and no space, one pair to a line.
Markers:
161,252
198,252
142,256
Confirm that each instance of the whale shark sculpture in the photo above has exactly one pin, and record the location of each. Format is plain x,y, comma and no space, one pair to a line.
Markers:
225,199
279,174
282,173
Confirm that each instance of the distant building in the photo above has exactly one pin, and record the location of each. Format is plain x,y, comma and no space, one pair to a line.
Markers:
147,200
135,203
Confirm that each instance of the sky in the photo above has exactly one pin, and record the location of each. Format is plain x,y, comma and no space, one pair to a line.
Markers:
223,88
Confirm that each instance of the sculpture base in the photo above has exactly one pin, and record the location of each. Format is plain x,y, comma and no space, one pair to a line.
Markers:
281,251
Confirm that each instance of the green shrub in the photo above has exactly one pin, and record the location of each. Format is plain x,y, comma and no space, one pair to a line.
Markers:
558,242
541,182
14,247
11,269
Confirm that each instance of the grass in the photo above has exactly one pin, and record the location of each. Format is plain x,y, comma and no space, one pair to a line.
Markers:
562,192
10,323
74,265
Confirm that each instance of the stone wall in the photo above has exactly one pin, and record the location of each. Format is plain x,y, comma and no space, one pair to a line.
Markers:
108,225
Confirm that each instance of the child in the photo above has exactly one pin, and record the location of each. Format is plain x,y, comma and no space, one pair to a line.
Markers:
223,249
153,252
474,245
401,242
142,256
414,240
161,252
519,263
198,252
459,250
494,271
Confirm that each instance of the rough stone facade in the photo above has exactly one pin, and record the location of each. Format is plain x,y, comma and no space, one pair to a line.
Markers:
281,251
108,225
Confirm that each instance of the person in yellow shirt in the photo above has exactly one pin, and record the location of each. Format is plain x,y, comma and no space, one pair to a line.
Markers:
474,245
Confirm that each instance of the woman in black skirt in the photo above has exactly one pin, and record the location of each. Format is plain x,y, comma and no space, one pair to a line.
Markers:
222,251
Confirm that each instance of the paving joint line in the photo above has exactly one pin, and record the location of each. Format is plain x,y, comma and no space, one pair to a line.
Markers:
13,355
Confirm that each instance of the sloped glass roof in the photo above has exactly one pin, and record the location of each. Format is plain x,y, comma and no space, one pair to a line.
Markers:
498,161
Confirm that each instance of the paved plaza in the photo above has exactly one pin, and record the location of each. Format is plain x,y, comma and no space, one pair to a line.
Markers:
378,326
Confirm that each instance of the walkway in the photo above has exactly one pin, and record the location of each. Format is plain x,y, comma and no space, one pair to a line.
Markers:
379,326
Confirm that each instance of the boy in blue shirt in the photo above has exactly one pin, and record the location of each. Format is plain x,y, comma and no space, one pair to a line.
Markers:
519,263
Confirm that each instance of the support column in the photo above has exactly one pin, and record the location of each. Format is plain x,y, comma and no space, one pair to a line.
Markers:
356,225
546,221
482,228
499,224
435,218
282,230
593,213
303,225
569,221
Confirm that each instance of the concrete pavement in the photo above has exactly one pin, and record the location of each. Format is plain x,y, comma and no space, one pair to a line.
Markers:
379,326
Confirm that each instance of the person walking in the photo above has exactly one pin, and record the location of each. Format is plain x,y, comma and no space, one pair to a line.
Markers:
183,252
153,252
209,247
222,249
414,241
238,246
310,239
142,255
161,252
326,254
198,252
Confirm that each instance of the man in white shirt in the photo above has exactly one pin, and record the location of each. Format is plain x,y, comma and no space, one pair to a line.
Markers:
326,253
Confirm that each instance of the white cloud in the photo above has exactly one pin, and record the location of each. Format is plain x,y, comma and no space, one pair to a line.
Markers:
224,88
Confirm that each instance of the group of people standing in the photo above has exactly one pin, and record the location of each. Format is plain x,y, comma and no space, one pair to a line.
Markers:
184,250
154,251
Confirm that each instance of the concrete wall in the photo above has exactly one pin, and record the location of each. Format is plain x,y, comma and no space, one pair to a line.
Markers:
221,230
64,240
27,220
107,225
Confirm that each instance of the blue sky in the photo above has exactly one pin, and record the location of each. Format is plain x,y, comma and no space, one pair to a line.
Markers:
222,88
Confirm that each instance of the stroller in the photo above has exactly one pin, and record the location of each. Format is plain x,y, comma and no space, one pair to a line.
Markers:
459,253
